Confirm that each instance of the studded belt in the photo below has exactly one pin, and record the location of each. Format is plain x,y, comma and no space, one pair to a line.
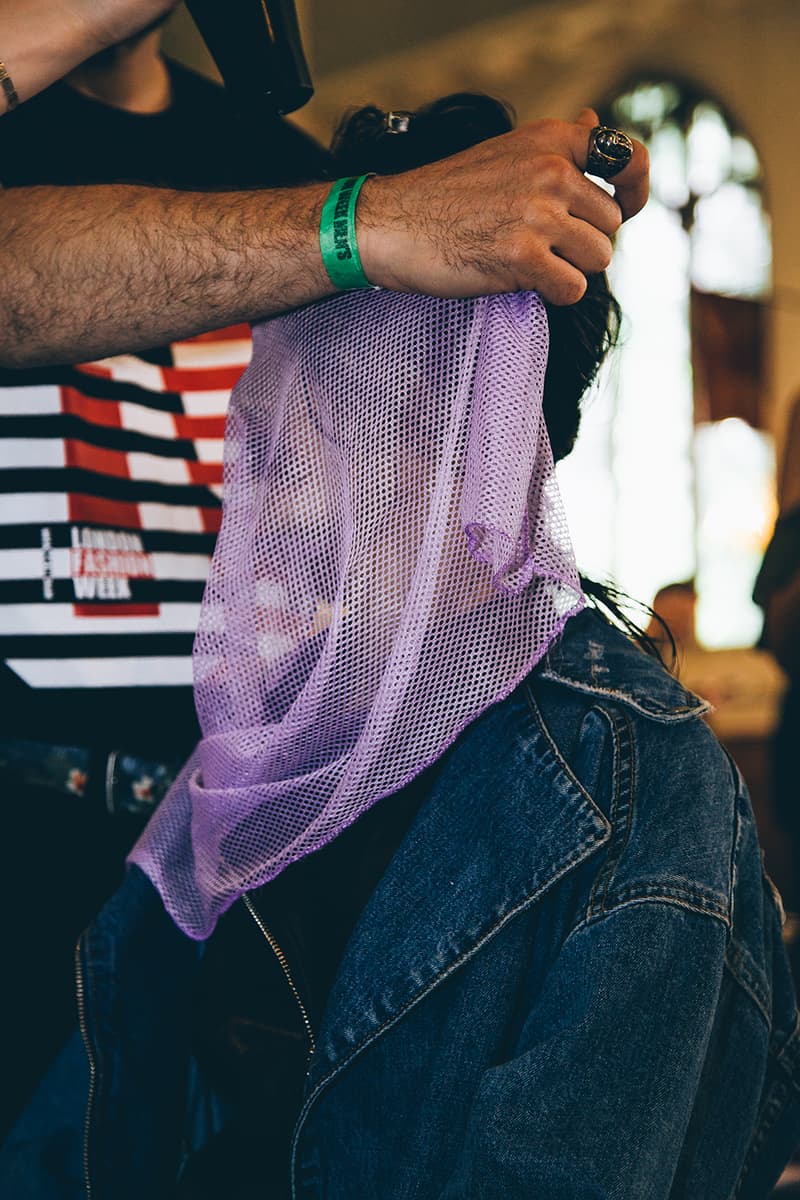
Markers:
126,782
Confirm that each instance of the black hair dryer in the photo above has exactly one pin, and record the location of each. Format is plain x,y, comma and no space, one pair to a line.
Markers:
257,46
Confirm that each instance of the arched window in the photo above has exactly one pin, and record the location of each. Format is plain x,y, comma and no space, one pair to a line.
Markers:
672,478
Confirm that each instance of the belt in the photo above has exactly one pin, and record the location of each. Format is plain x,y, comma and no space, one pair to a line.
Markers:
127,783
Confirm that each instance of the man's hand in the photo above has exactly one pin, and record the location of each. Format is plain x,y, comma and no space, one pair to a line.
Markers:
91,271
513,213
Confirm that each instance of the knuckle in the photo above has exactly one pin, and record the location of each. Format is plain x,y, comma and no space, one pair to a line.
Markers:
521,254
572,290
545,128
605,255
554,170
534,268
614,219
544,215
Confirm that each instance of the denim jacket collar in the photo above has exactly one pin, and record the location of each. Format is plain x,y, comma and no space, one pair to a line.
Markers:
594,657
434,908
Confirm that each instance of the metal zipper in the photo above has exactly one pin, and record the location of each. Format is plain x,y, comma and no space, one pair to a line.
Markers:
284,965
80,992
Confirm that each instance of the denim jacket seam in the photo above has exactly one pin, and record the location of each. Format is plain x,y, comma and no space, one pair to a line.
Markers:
541,725
774,894
577,854
694,894
739,961
664,715
769,1112
738,830
674,898
777,1097
624,774
787,1056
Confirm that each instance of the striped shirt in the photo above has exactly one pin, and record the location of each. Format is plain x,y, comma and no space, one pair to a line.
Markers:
110,488
111,471
110,500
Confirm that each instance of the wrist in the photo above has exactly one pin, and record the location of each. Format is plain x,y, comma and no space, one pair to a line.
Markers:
337,234
282,226
379,229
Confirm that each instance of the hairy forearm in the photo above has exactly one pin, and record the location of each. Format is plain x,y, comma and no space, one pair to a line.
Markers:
93,271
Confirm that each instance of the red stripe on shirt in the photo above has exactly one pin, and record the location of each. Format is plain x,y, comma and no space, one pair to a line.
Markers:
97,510
119,514
201,379
92,368
211,518
96,412
95,458
205,472
199,427
116,610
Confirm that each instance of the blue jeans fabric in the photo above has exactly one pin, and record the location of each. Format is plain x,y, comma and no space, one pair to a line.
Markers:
569,983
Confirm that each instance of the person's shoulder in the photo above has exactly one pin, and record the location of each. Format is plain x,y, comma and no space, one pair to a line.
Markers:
594,657
634,736
596,683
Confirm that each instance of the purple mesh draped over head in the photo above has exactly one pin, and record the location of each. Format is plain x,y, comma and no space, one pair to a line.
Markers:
393,559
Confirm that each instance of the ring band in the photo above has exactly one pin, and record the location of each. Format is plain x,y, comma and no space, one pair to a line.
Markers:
610,151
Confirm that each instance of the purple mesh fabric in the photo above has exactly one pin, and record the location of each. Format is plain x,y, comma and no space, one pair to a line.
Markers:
393,559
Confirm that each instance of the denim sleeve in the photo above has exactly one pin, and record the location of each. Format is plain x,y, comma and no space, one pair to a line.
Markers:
595,1100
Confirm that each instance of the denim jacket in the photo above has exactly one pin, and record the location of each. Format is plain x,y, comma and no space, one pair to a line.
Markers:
569,984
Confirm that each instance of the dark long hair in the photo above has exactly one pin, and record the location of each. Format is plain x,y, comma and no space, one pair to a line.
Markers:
581,334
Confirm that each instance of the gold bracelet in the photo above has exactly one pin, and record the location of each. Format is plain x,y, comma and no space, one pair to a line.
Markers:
9,91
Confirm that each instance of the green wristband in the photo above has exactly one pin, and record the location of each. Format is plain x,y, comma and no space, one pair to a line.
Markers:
337,234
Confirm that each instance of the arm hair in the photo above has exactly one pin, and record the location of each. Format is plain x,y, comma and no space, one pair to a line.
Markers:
93,271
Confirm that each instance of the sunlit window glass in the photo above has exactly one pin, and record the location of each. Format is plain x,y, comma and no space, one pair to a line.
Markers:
652,496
